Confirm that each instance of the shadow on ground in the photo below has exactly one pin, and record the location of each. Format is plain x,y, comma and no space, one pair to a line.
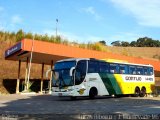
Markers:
48,107
10,85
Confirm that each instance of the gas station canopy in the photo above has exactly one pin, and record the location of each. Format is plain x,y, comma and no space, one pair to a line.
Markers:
46,52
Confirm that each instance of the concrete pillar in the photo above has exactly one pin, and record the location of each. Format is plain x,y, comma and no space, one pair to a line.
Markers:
18,77
42,77
50,81
25,82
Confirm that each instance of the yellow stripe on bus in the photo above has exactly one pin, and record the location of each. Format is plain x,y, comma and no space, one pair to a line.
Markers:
129,87
115,60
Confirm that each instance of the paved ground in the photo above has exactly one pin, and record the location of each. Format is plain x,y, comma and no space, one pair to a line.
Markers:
47,107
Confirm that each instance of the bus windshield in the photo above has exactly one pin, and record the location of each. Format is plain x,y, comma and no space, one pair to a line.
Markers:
61,74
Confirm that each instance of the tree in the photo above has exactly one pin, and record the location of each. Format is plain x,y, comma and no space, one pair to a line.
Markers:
116,43
146,42
58,39
102,42
45,37
133,44
19,35
125,44
29,35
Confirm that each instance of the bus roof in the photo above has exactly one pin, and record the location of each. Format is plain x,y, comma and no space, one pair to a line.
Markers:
73,59
103,60
131,64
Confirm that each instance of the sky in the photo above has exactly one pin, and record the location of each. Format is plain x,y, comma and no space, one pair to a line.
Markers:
83,20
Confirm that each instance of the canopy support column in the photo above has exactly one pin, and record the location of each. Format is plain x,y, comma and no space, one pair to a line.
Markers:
25,82
42,78
18,77
50,81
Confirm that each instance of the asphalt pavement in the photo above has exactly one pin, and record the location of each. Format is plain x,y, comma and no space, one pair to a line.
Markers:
49,107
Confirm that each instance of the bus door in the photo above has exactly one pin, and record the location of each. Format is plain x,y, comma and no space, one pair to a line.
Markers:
80,77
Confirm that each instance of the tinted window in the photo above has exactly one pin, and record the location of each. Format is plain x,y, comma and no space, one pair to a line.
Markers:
132,70
139,70
123,69
93,67
146,70
104,67
80,72
64,65
150,71
113,68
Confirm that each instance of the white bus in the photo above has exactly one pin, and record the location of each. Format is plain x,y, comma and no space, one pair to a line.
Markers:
92,77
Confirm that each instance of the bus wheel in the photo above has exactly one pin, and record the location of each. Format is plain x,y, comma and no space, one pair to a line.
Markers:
93,92
143,92
136,92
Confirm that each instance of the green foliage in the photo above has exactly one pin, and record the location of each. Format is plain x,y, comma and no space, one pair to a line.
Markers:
116,43
99,46
29,35
96,46
65,42
102,42
20,35
141,42
83,45
125,44
58,39
133,44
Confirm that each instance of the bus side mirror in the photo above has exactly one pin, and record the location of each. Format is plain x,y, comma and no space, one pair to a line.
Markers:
71,71
48,72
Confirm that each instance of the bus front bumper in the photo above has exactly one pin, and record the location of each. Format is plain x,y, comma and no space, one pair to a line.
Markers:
70,93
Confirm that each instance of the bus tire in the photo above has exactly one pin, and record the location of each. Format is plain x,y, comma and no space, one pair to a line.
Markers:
137,92
143,92
93,92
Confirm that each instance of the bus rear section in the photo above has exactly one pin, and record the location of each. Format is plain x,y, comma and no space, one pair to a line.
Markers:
127,78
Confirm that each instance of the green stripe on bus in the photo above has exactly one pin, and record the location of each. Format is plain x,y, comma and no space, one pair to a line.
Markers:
110,83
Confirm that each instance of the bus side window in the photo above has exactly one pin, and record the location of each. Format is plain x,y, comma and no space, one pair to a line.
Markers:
146,71
150,71
132,70
139,70
93,67
103,67
113,68
123,69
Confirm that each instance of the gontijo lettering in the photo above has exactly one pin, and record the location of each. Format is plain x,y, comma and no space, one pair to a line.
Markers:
133,78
